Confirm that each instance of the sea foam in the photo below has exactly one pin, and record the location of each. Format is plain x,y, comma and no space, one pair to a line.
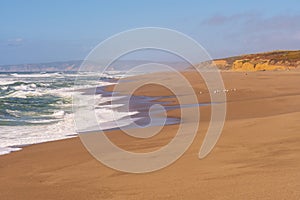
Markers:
37,108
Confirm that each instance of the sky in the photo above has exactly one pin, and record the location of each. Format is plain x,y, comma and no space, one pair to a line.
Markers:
35,31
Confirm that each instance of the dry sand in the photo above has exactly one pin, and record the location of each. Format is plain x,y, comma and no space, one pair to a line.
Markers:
257,156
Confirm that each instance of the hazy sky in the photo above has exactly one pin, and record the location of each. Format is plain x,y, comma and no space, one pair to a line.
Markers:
43,31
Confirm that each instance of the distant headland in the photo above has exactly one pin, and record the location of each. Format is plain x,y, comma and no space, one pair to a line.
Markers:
274,60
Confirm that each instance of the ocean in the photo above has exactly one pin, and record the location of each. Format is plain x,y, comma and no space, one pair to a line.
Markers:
37,107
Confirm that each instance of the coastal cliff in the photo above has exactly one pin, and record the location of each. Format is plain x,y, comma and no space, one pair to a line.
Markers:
275,60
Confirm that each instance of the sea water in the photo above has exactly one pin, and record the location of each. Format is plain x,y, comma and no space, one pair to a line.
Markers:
37,107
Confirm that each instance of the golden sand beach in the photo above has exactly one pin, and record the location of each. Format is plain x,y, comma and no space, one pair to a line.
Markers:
256,157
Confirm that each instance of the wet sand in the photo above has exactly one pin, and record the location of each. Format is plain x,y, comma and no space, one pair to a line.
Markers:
256,157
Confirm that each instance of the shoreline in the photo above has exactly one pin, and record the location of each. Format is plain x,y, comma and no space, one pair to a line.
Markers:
255,158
